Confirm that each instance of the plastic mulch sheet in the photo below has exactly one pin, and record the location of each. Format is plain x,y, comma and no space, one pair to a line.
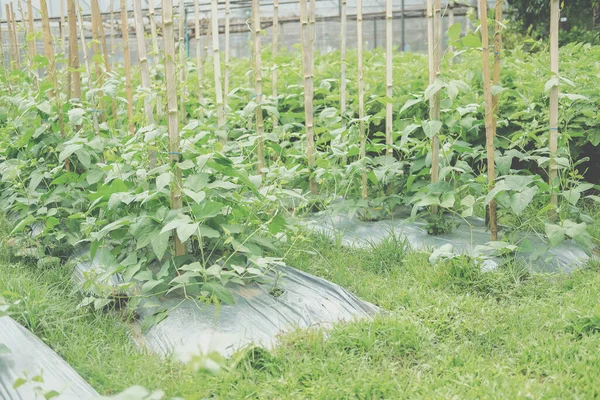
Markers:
289,299
470,237
29,358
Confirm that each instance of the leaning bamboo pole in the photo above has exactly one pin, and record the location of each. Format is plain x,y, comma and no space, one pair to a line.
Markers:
101,35
182,60
112,27
199,62
260,146
489,129
87,65
227,51
2,52
31,33
388,78
274,51
172,114
11,47
126,57
14,47
73,51
48,43
497,58
96,20
553,134
361,97
343,59
217,67
308,67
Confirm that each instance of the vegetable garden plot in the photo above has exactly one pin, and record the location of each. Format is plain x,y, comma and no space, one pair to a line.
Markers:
470,237
288,299
30,369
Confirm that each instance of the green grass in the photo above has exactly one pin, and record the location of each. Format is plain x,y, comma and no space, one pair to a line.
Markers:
451,332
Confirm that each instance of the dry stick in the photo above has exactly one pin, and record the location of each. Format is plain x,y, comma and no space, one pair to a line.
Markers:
260,146
199,63
87,63
227,46
388,77
126,57
172,115
143,59
361,96
217,68
308,67
489,129
31,33
182,60
274,50
553,140
497,59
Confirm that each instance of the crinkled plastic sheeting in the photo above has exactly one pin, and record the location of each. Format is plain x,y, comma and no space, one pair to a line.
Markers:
464,239
30,357
290,299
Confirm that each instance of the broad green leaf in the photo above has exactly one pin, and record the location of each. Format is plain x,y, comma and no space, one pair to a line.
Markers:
431,128
219,291
520,200
160,243
454,31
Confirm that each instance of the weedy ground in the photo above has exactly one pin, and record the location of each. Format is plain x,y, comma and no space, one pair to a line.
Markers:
451,331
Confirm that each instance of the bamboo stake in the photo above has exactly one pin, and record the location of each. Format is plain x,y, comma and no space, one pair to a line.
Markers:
217,67
553,139
227,45
274,50
497,59
112,27
13,36
450,23
11,48
308,91
172,114
489,131
48,44
260,149
434,58
96,19
2,52
388,78
31,34
87,64
182,60
343,60
199,62
63,40
17,45
73,51
102,36
153,28
145,72
126,56
361,96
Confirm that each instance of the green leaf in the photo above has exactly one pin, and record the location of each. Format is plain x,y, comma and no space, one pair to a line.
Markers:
163,180
219,291
160,243
454,32
555,233
276,225
431,128
208,232
4,349
19,382
520,200
185,231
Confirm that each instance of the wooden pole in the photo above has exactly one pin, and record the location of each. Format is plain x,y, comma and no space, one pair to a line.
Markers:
434,58
87,64
96,20
153,32
227,49
260,149
102,36
11,45
2,52
172,115
275,50
343,63
73,51
126,56
308,67
112,27
199,62
217,66
497,58
31,41
450,23
388,78
15,40
361,96
489,129
182,61
553,134
48,44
